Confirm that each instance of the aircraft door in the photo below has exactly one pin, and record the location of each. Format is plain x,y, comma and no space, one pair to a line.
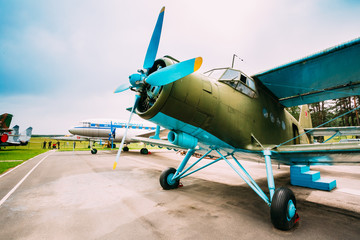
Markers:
295,134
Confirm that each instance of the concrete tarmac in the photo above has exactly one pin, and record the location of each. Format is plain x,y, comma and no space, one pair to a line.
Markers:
77,195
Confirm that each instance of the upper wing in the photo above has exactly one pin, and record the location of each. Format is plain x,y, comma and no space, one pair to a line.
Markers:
331,74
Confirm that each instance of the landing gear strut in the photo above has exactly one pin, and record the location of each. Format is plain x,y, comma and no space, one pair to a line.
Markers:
282,201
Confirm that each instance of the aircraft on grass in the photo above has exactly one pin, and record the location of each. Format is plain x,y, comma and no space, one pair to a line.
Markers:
226,113
5,120
113,130
11,137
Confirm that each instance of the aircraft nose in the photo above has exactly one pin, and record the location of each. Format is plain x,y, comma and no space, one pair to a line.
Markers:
75,131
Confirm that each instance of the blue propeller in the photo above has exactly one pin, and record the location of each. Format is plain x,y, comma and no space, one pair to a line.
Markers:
154,42
142,79
137,97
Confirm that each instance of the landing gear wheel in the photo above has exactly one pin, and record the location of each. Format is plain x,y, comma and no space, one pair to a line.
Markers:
166,181
283,209
144,151
93,151
125,149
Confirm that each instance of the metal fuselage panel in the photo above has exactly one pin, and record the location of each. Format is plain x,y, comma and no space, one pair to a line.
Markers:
225,113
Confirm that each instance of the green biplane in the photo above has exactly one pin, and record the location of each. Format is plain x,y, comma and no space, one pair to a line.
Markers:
231,115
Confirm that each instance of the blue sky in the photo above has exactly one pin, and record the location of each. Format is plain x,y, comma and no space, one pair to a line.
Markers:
61,60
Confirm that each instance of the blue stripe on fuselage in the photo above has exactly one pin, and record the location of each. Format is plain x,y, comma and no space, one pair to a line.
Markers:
177,125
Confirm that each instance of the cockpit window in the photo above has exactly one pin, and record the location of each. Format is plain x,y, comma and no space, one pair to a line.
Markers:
86,124
239,81
231,75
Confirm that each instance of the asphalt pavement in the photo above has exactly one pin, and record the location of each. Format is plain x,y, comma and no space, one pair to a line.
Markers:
77,195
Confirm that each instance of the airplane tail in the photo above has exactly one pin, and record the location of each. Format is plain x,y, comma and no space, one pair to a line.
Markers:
305,118
15,134
5,120
25,137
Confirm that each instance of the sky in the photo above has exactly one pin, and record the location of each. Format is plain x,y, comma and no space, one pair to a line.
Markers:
60,61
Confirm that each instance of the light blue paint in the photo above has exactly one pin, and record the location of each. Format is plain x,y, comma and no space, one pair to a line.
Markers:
269,173
202,135
291,210
182,139
184,162
300,175
336,67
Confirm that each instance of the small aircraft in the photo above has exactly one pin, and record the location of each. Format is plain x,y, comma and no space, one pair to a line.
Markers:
113,130
5,120
226,113
11,137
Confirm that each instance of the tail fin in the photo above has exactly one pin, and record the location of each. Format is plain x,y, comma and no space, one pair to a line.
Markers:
5,120
15,133
25,137
305,118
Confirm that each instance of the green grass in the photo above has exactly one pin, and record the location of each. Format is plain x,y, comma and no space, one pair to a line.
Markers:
35,147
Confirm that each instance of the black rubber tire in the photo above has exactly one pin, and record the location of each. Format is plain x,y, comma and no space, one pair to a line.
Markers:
125,149
279,208
144,151
93,151
114,146
164,179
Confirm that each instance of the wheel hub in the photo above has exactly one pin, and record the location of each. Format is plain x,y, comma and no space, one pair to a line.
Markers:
291,210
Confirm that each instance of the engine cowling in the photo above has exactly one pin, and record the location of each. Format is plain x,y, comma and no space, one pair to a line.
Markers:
182,139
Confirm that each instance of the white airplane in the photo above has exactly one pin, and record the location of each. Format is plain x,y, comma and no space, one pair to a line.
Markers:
113,130
16,139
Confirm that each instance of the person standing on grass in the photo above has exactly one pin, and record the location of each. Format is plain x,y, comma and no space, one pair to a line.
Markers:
49,146
58,144
44,145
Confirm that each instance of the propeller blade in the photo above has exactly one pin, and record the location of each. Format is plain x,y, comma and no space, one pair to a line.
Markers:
137,97
122,87
174,72
154,42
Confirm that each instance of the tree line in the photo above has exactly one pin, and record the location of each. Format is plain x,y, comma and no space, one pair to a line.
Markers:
322,112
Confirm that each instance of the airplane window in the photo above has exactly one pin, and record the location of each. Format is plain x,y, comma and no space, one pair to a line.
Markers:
244,89
265,112
231,75
232,83
243,79
250,83
283,125
272,118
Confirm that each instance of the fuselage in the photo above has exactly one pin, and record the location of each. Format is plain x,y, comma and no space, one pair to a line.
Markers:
223,111
102,128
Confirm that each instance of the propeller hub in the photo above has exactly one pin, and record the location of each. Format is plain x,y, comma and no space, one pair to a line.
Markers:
135,79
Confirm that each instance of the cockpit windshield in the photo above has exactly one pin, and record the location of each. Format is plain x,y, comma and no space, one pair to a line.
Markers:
239,81
86,124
